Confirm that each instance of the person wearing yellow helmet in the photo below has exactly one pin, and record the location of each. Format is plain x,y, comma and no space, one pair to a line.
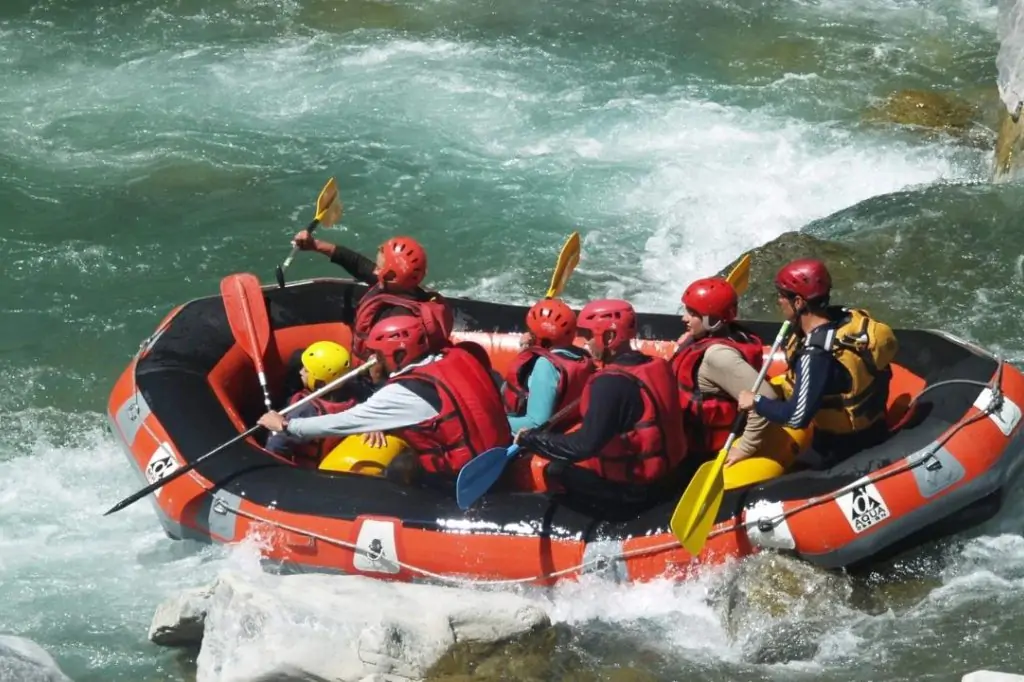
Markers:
319,364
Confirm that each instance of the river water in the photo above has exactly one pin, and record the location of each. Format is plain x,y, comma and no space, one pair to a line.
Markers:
149,148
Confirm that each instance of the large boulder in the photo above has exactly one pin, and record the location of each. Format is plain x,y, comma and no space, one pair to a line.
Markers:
25,661
336,628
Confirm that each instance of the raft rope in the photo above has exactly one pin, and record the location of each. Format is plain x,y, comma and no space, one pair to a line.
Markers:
603,562
598,564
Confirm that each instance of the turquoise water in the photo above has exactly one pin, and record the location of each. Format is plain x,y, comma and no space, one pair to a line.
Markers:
148,149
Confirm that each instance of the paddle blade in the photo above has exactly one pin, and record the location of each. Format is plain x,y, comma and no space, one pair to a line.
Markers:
568,259
739,276
695,514
328,208
483,471
247,314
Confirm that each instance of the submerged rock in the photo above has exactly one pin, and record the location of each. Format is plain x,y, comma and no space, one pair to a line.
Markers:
25,661
336,628
945,112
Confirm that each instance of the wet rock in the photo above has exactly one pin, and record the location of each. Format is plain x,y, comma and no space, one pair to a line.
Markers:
341,629
760,299
777,609
1009,147
25,661
944,112
529,658
784,642
178,621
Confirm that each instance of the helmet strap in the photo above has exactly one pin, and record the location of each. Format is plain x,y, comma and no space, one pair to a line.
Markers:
709,327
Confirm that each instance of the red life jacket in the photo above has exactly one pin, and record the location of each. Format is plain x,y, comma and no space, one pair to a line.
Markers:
436,315
656,444
470,421
572,377
708,418
312,451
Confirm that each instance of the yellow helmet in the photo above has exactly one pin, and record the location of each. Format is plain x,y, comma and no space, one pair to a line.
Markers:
355,456
324,361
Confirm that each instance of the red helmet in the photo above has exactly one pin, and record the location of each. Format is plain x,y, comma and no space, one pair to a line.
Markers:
552,320
807,278
712,297
404,263
401,339
608,315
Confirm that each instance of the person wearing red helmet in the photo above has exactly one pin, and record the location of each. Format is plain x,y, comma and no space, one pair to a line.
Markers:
550,373
444,405
839,368
631,441
717,359
394,280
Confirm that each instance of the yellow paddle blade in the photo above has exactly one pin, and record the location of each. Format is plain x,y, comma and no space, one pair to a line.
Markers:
328,208
739,276
568,259
695,514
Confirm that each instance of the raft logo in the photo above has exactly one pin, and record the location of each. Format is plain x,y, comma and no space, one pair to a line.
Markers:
161,463
863,506
376,550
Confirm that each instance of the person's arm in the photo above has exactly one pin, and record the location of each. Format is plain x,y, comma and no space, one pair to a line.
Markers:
356,264
392,407
724,369
542,387
812,373
614,408
282,443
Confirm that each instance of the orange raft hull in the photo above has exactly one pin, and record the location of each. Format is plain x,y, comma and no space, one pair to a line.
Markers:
191,388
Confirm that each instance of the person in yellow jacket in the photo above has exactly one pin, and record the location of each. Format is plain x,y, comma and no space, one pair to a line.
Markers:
839,368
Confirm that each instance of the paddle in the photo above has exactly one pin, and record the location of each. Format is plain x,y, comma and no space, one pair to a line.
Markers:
568,259
739,276
247,317
484,470
181,471
695,514
328,210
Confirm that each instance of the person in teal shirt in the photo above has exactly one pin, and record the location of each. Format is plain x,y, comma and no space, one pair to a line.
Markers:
550,373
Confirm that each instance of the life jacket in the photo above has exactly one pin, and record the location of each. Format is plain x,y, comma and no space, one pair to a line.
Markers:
573,373
470,421
435,313
656,444
310,452
708,418
865,348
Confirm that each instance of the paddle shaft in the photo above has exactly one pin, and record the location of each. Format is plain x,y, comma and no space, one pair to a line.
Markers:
741,416
291,256
554,419
134,497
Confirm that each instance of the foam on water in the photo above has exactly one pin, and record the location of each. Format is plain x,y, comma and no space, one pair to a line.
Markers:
82,585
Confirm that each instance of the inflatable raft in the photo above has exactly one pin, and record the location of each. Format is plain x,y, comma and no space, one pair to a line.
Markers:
190,388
